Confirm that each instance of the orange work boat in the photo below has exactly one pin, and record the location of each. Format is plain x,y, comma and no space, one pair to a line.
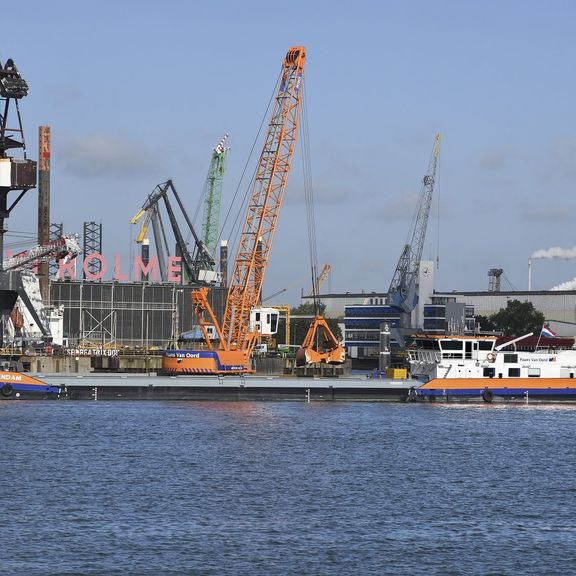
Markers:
18,385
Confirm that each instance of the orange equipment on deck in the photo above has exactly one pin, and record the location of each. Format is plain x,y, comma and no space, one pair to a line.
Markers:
320,345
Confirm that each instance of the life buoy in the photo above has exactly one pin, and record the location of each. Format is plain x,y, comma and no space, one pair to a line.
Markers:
6,390
487,395
491,357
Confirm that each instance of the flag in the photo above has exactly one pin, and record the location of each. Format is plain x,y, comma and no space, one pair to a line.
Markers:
547,333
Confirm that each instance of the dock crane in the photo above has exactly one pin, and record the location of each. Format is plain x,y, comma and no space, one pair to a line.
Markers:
321,279
243,321
197,264
212,195
403,290
152,216
19,281
64,247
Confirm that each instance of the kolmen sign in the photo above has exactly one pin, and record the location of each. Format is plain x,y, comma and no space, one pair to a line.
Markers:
139,268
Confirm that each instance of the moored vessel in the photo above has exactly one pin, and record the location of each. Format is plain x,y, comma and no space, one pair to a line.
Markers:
16,385
478,367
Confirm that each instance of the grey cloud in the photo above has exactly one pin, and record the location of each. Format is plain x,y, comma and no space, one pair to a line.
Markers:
495,160
400,207
562,157
99,156
545,213
325,194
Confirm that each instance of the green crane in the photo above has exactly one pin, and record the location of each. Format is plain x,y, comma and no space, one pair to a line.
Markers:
212,195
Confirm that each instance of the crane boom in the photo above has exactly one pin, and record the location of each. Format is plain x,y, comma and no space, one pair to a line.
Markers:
200,260
58,249
321,279
266,199
402,293
213,196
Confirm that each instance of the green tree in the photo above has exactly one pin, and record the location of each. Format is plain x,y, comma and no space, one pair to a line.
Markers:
299,326
486,325
518,318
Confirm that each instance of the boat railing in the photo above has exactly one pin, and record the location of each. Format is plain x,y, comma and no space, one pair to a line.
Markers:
426,356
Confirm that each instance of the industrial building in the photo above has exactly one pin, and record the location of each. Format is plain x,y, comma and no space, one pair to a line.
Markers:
558,307
363,314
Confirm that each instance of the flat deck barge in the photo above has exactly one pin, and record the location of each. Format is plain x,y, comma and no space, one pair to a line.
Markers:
153,387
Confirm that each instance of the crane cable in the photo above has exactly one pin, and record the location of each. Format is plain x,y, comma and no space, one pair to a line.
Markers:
309,196
235,228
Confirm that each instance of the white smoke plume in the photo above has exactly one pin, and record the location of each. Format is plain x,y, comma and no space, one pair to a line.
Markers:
570,285
555,253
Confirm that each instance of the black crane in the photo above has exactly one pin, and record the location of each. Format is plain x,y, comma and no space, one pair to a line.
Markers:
200,259
16,174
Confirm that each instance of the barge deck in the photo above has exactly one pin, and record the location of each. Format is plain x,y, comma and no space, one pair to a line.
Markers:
153,387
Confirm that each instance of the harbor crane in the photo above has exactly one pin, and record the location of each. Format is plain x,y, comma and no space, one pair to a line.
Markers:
403,290
198,264
19,280
152,216
321,279
16,174
244,322
212,195
64,247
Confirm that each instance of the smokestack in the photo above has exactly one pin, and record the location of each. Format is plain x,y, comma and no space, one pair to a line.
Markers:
145,258
224,263
44,207
529,274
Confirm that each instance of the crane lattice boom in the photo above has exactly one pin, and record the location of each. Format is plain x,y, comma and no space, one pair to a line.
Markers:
58,249
213,197
403,288
266,200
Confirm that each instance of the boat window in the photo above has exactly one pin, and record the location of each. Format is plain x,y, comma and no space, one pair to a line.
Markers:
485,345
513,372
489,372
510,358
533,372
451,344
468,348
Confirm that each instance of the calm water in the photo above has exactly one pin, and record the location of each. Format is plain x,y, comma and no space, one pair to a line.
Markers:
286,488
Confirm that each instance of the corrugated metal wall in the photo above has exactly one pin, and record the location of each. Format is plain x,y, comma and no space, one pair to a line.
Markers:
130,314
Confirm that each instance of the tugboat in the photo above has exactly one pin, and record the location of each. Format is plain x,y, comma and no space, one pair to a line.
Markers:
16,384
477,367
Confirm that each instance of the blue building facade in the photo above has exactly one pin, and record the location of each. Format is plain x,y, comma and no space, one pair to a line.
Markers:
362,324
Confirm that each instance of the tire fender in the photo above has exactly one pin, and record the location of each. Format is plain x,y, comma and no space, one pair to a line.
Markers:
487,395
6,390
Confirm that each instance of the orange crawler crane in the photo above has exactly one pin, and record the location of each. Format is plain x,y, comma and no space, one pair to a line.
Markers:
243,322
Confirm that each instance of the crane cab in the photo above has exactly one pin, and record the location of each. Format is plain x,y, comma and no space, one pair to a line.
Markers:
264,321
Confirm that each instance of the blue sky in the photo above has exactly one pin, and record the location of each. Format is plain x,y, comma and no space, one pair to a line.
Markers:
138,92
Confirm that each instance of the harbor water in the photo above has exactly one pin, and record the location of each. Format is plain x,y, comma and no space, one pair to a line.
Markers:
185,488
